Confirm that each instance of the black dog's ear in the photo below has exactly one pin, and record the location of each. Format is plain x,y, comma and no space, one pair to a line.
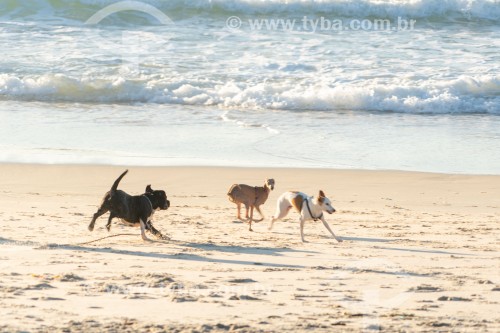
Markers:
149,189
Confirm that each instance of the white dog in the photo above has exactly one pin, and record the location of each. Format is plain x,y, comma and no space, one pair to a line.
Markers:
310,208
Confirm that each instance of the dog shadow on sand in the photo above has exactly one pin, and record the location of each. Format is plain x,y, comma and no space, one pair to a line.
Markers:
174,256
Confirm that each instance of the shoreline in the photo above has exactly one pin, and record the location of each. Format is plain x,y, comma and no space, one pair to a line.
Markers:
201,166
423,144
422,243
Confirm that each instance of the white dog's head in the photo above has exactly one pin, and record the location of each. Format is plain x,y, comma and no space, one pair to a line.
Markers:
325,203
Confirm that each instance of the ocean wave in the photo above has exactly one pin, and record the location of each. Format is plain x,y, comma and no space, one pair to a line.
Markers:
439,10
462,95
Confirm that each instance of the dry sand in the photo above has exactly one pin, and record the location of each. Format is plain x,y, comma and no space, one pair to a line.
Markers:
420,253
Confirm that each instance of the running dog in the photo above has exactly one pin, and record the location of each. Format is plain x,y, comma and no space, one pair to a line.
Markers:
309,208
132,210
250,196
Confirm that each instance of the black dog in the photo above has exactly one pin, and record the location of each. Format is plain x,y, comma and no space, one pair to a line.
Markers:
137,209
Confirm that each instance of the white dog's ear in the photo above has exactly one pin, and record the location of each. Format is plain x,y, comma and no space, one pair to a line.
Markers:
321,197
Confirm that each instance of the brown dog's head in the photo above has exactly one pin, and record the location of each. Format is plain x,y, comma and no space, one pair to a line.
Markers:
325,203
158,198
270,183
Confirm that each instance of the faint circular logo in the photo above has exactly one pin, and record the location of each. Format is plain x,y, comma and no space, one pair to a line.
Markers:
233,23
9,251
132,6
131,43
374,296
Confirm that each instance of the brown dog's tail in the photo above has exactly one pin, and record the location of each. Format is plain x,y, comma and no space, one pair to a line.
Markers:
115,184
231,192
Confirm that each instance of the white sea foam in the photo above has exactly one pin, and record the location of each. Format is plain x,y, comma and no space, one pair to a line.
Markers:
462,95
225,116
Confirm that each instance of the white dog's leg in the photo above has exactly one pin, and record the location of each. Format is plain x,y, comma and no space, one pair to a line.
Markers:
328,227
273,219
302,222
282,210
143,231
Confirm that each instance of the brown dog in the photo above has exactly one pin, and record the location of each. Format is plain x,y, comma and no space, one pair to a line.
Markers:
250,196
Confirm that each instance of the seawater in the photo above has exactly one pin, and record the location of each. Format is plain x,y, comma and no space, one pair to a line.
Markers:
184,85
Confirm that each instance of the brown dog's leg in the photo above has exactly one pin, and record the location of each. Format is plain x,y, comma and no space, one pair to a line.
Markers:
246,211
257,208
251,217
238,205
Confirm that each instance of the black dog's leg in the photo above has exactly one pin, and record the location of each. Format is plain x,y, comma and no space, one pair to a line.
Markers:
108,225
143,220
154,231
102,210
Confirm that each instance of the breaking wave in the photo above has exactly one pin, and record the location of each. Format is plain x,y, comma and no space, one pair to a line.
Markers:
463,95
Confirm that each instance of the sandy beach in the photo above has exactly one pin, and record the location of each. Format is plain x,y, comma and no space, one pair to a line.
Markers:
420,253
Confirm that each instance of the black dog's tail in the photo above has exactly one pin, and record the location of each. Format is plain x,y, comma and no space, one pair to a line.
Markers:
115,184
